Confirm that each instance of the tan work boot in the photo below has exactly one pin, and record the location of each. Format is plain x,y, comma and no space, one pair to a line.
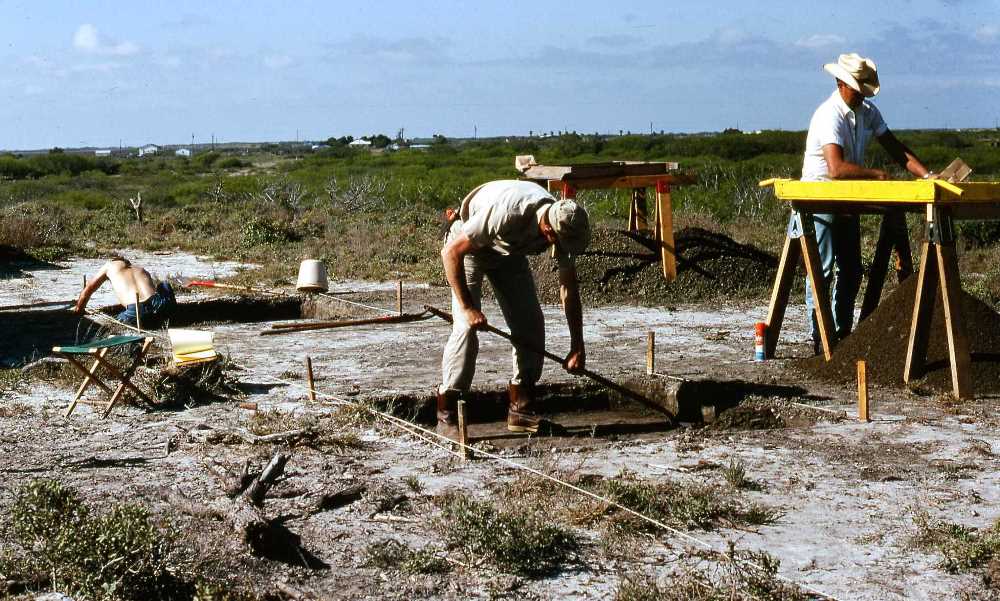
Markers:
447,414
522,409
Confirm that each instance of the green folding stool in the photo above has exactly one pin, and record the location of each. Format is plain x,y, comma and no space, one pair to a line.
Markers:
98,349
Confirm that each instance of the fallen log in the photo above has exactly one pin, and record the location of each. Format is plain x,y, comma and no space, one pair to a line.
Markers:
340,498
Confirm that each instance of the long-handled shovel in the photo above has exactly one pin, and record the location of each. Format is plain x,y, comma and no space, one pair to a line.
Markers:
635,396
214,284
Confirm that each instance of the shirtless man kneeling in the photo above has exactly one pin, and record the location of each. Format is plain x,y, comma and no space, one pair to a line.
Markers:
156,301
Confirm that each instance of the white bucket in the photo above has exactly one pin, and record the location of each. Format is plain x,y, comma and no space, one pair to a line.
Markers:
312,277
186,342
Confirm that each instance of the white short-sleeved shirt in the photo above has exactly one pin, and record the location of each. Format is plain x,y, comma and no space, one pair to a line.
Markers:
835,123
503,217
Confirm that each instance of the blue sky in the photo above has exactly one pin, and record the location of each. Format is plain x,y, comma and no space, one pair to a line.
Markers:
93,73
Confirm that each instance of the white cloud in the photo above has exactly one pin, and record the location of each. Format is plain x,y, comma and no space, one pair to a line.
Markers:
169,61
988,33
278,61
821,40
88,39
95,67
85,38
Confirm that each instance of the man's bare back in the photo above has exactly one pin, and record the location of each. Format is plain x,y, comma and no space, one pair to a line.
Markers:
126,279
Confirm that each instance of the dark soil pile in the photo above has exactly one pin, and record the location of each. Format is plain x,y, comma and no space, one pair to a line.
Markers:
623,267
881,340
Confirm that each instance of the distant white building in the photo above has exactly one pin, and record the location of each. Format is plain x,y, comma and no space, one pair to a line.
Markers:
151,149
102,152
360,144
183,152
319,146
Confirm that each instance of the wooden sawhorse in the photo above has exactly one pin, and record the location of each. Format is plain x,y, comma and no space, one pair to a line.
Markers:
800,241
635,176
939,270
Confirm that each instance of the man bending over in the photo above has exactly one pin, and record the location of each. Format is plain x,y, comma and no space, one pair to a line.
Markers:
156,301
498,225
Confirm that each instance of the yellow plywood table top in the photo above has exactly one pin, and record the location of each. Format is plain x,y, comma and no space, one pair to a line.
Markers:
888,193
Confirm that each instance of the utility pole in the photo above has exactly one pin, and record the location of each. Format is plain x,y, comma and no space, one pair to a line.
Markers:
475,131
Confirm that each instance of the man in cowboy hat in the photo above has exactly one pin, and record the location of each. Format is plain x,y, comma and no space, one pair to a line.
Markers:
839,133
497,226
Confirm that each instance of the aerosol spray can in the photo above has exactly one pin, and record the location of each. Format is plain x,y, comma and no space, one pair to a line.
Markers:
759,330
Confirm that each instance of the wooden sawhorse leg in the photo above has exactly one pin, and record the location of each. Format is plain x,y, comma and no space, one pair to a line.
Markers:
799,242
665,225
892,234
637,221
939,265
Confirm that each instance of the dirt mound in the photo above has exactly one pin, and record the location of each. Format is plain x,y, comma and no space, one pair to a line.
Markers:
624,267
882,338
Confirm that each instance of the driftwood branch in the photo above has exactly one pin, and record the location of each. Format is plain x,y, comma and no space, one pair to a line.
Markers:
137,206
244,513
257,490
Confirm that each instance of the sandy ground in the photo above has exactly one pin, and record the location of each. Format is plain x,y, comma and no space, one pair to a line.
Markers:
848,490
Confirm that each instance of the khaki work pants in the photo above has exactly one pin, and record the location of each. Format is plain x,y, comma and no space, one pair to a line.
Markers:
514,289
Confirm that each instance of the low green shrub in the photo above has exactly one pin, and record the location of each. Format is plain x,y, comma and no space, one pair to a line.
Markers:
517,540
962,548
117,555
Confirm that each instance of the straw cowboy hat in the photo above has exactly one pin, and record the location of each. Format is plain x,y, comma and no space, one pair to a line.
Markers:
857,72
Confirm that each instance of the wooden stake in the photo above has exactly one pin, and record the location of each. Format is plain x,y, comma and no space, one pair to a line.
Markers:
650,353
138,317
399,297
863,392
463,433
309,378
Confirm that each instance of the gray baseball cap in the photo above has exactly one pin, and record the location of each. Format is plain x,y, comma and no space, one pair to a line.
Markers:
571,224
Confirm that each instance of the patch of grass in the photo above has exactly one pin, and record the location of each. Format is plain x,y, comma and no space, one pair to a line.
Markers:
391,554
120,554
741,575
735,474
208,382
963,548
11,379
274,421
15,409
413,483
517,540
318,432
682,505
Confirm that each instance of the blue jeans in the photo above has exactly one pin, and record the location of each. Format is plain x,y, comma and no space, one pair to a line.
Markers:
154,310
839,241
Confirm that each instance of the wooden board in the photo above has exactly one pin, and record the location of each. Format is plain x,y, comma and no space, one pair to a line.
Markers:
600,170
630,181
888,193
